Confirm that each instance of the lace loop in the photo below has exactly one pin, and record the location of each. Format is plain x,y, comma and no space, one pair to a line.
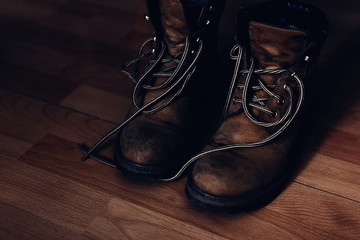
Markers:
177,81
140,55
261,107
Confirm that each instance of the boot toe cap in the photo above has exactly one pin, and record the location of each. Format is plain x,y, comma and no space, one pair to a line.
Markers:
222,176
147,143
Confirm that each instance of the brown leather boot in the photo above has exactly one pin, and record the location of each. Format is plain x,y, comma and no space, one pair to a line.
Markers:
246,164
165,124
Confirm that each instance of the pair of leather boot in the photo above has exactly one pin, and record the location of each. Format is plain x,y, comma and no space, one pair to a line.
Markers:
238,152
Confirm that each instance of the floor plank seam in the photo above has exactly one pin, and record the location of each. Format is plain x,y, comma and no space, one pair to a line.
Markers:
325,191
58,105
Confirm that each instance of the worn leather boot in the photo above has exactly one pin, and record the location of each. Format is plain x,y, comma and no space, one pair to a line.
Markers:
165,124
246,164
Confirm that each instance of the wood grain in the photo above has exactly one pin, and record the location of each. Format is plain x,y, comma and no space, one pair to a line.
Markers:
24,225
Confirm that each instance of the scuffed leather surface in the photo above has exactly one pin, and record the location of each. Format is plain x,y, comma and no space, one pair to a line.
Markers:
174,25
275,48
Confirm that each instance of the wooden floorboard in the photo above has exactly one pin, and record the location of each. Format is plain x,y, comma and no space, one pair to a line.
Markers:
60,85
25,225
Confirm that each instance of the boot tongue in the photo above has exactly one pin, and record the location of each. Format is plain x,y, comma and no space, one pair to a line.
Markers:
174,25
275,47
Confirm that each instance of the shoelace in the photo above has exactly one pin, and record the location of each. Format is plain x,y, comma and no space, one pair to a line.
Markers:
176,76
256,103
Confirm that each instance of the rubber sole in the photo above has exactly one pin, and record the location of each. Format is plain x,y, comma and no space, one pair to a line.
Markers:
144,172
234,204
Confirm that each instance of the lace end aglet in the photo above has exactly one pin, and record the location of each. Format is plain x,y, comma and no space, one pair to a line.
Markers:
85,150
84,158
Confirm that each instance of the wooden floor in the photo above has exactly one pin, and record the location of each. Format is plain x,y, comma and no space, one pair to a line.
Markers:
60,85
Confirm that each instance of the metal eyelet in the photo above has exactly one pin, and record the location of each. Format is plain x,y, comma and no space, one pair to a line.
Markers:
211,8
280,101
274,114
307,59
193,51
146,17
208,22
235,100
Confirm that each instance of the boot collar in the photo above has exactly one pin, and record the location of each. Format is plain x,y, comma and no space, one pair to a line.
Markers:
284,14
209,15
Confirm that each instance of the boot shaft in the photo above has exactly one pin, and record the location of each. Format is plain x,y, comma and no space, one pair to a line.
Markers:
174,20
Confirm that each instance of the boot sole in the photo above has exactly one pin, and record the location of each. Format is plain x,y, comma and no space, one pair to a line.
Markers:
234,204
